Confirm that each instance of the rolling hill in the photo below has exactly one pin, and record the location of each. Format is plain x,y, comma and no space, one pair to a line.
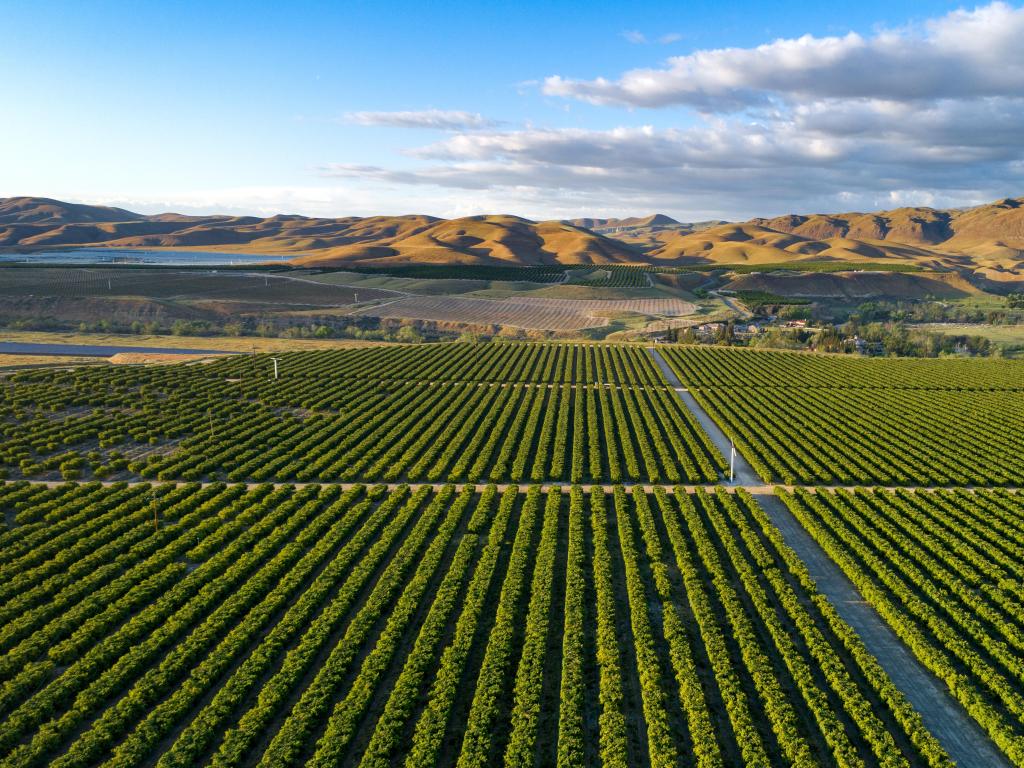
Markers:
33,224
985,243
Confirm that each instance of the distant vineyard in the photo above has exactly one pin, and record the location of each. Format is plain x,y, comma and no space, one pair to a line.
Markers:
945,570
816,419
539,274
339,416
226,625
614,276
524,312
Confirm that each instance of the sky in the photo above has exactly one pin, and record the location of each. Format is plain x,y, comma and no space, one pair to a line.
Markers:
700,110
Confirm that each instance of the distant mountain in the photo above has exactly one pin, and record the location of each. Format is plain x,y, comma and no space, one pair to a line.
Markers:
480,240
38,223
43,210
985,242
632,222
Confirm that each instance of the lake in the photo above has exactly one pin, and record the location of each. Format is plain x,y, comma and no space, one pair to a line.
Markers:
138,256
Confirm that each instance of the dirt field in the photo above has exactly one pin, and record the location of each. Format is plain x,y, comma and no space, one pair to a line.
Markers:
34,361
526,312
228,343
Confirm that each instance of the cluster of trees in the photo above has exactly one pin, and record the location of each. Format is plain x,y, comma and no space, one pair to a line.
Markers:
882,311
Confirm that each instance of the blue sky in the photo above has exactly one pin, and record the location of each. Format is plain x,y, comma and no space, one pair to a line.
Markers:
556,109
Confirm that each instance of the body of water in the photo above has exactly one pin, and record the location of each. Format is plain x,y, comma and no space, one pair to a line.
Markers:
93,350
139,256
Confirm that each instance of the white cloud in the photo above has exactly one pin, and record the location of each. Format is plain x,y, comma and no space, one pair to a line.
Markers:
932,114
826,156
639,38
435,119
965,54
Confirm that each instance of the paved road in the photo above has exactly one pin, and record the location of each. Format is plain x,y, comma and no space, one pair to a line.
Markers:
744,473
733,305
943,715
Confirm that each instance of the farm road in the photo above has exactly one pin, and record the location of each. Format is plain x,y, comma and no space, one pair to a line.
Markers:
745,474
958,733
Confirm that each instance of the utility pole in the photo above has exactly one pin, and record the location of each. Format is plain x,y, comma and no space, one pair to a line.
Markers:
732,461
275,366
152,503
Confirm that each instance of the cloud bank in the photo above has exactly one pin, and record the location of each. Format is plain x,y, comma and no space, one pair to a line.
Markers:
929,114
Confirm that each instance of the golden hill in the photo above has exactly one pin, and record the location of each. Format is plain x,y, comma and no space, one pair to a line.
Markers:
43,210
985,242
507,240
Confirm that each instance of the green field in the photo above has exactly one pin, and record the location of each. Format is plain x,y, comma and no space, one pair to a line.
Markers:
818,419
512,553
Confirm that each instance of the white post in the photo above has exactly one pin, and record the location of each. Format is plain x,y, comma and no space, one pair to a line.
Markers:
732,461
275,366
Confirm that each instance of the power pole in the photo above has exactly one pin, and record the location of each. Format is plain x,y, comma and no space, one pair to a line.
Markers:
732,461
275,366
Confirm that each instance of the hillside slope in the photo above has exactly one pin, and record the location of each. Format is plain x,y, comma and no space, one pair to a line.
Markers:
29,224
985,242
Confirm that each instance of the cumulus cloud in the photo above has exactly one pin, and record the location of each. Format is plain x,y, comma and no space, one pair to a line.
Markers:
965,54
932,114
435,119
815,159
635,37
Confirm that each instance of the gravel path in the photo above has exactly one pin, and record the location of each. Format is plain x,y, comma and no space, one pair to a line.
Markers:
958,733
744,473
